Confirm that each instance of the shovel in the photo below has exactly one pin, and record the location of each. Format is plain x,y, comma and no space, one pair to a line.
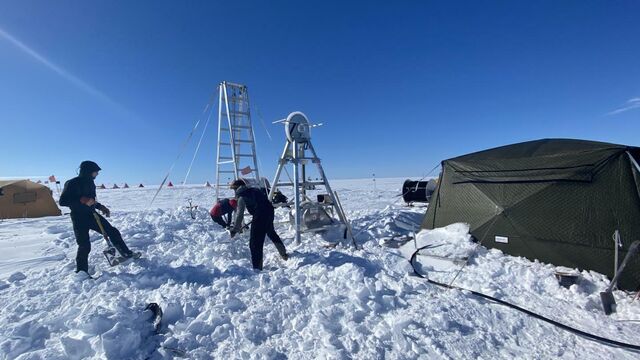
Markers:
245,226
608,301
110,253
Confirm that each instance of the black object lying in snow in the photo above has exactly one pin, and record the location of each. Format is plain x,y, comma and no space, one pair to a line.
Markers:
418,191
156,315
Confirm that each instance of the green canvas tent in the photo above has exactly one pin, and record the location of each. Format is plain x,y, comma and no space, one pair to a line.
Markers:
555,200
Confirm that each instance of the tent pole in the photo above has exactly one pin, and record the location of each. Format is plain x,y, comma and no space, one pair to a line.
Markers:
616,244
633,161
296,189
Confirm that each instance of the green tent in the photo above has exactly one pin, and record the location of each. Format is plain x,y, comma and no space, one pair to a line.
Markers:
555,200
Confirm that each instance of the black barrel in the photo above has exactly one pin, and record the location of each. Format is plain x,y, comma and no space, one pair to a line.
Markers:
418,191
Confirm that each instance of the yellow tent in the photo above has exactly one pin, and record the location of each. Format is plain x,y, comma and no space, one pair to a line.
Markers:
26,199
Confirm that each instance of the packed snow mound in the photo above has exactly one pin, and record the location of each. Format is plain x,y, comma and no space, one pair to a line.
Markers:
452,241
450,256
324,302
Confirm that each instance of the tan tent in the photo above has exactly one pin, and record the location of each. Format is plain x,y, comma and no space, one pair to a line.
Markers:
26,199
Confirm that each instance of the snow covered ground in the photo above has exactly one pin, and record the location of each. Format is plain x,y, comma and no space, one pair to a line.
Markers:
324,303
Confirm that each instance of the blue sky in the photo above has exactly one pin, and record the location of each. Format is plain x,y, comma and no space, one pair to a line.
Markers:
398,85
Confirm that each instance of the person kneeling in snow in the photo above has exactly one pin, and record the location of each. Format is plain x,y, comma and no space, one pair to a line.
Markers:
259,206
222,211
79,195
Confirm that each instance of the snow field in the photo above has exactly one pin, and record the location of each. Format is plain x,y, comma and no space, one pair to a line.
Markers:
324,303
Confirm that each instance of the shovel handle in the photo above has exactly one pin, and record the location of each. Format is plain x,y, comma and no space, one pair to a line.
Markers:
104,233
633,250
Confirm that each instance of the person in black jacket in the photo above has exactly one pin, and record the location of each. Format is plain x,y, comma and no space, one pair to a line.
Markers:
79,195
259,206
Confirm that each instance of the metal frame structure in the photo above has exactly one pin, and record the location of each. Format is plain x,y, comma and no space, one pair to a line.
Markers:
236,147
297,130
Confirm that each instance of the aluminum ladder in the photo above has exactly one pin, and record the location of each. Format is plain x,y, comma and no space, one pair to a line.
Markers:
236,148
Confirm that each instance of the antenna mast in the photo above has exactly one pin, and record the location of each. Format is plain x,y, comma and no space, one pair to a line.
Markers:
313,215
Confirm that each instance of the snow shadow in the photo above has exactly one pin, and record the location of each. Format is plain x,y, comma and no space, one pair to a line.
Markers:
155,275
236,270
336,259
388,223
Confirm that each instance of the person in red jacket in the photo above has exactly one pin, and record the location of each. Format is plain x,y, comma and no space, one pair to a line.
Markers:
221,212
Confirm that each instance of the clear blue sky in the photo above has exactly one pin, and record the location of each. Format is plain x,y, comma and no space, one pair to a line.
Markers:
398,85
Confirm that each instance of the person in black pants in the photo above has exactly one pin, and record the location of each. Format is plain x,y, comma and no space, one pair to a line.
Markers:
79,195
259,206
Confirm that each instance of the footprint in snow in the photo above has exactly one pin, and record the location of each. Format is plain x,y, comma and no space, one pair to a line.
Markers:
56,229
16,276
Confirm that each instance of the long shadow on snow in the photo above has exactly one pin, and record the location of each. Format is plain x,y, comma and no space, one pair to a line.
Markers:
336,259
155,274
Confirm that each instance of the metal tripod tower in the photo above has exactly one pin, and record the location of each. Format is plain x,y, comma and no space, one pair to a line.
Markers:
311,213
236,154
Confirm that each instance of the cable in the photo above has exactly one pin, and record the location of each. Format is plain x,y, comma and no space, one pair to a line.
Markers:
422,178
195,154
262,121
182,149
255,146
392,202
473,253
568,328
204,131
